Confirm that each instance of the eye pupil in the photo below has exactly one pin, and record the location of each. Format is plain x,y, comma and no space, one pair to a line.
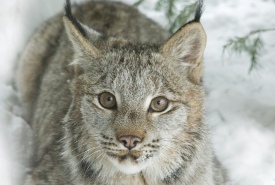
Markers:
159,102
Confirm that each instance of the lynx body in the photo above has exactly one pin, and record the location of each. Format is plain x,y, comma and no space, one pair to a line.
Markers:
112,101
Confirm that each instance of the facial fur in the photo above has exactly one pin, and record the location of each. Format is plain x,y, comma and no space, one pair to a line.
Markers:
135,76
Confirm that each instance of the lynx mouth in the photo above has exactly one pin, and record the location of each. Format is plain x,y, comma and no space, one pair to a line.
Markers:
122,158
132,155
130,162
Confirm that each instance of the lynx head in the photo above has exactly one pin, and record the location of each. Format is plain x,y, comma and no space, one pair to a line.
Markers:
134,105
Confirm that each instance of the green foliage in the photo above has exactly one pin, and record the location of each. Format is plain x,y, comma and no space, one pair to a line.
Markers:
168,7
175,19
182,17
138,2
251,44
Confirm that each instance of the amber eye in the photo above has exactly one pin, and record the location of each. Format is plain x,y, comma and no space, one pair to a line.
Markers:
159,104
107,100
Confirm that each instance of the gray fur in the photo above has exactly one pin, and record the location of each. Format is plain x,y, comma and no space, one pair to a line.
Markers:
62,72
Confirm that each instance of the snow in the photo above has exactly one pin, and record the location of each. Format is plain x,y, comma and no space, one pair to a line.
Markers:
240,107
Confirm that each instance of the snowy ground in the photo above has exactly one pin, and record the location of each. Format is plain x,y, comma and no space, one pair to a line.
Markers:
240,107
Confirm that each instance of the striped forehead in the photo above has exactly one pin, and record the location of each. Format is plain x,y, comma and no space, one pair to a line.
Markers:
134,85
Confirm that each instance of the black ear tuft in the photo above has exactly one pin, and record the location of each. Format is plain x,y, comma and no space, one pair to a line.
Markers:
199,11
74,21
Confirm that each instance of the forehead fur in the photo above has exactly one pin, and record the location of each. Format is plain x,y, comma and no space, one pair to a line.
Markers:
138,68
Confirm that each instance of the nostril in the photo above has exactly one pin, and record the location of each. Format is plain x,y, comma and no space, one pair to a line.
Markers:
135,140
135,143
124,142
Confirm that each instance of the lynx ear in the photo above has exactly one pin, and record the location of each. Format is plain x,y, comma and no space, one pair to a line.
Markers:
186,47
80,35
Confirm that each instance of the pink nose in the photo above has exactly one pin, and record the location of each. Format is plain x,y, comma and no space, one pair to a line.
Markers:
129,141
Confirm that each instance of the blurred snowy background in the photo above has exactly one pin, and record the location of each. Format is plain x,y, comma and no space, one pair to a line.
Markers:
240,107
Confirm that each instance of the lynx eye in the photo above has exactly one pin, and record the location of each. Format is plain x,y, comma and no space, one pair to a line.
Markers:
159,104
107,100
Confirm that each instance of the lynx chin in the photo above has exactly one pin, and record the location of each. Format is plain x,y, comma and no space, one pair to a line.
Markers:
113,99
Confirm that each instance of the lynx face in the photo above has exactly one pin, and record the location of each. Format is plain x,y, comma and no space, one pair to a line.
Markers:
133,106
132,110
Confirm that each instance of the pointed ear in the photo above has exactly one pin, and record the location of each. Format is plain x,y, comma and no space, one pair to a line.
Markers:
186,47
80,35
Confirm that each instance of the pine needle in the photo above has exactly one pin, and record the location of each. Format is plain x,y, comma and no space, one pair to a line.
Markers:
139,2
251,44
175,20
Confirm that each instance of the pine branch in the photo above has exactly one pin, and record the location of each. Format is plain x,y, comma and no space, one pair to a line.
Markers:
251,44
175,20
139,2
183,17
168,6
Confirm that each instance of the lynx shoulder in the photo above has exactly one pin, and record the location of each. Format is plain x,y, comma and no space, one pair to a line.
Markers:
112,100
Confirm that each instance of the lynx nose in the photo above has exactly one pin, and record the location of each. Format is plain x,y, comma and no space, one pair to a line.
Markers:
129,141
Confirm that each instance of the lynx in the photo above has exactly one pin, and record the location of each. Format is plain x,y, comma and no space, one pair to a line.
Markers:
113,100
